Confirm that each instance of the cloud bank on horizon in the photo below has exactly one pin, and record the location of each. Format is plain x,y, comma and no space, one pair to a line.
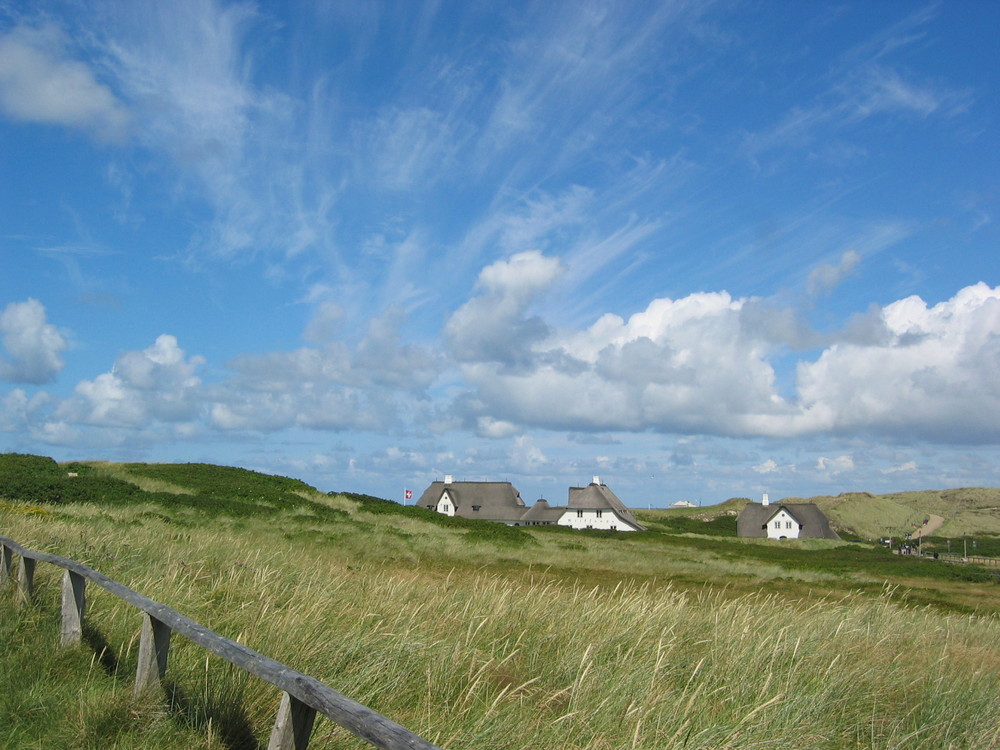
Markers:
699,249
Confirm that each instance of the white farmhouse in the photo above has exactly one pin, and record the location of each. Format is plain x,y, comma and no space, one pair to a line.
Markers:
597,507
784,521
592,507
487,501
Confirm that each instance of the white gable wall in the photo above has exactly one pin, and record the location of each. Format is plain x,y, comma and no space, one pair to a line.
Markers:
594,519
446,505
783,526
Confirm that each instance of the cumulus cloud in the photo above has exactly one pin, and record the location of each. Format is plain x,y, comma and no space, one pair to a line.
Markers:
525,456
694,365
495,428
157,384
32,345
935,377
331,387
19,411
40,82
680,365
494,325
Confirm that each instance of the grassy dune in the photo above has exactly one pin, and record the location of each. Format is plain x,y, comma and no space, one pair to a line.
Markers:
490,637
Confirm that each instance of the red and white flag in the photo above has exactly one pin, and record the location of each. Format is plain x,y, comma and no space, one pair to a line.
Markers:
408,494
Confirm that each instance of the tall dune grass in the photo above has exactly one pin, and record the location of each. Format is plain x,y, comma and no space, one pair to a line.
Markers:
479,646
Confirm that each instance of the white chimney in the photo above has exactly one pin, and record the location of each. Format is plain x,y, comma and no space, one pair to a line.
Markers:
764,500
448,478
597,479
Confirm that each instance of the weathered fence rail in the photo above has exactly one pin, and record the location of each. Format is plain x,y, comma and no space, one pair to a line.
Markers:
303,696
956,557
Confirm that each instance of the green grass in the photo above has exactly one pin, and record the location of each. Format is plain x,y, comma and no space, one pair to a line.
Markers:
476,635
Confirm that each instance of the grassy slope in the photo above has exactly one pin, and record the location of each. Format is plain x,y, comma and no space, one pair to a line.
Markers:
967,511
462,631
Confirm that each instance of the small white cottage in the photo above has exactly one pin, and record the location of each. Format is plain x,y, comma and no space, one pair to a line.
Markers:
784,521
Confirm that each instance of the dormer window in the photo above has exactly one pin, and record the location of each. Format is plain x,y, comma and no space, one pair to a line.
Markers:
476,507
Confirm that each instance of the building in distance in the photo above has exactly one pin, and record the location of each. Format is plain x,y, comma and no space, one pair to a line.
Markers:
592,507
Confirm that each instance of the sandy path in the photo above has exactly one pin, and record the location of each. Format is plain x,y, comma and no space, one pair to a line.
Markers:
933,524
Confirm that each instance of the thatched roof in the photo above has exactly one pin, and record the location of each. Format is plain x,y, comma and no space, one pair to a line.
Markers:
500,501
542,512
597,496
489,501
753,519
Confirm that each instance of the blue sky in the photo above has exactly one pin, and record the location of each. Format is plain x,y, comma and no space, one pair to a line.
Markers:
700,249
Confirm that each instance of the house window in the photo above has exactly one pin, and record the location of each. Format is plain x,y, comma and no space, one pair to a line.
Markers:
599,513
446,507
579,514
777,524
788,524
476,507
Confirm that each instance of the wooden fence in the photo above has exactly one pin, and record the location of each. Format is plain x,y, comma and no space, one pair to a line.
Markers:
957,557
302,695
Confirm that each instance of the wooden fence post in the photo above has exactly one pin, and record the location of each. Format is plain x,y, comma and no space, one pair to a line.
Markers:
74,601
26,580
5,560
293,725
154,643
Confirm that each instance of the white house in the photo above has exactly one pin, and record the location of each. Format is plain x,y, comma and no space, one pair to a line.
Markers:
597,507
784,521
591,507
487,501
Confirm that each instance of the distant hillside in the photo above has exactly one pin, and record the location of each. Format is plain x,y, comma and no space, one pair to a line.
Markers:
203,489
968,510
972,511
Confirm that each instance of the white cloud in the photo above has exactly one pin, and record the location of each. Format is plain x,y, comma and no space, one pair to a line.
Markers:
33,346
155,385
495,428
39,82
19,411
905,467
866,86
693,365
883,90
526,457
837,465
680,365
335,387
826,276
409,146
766,467
493,326
325,323
935,377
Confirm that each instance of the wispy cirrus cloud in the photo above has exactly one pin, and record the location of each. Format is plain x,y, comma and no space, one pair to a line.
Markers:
864,85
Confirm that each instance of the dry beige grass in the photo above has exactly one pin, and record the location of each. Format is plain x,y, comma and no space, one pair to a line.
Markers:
478,646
